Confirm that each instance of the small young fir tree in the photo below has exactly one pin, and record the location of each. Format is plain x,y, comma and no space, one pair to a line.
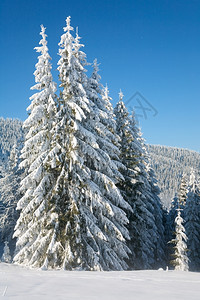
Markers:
179,255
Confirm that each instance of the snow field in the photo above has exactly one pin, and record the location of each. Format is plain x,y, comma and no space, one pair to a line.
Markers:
20,283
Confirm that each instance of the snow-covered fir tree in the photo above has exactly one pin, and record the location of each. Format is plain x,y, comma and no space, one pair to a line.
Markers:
90,227
179,256
192,225
158,212
178,202
36,225
146,190
6,257
169,225
141,193
105,125
128,168
167,235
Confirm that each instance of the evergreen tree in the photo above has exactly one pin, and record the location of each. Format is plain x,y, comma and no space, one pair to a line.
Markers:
146,190
192,225
140,191
128,169
158,212
101,121
6,257
167,235
36,226
180,259
91,228
169,225
178,203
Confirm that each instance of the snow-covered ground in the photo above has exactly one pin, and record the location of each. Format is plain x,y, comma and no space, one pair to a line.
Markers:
18,283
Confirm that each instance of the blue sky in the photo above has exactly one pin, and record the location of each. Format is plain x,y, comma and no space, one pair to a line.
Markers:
150,47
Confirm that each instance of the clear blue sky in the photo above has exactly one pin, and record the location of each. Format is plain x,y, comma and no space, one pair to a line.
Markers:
152,47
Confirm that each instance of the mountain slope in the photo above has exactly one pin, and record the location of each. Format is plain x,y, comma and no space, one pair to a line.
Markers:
10,133
169,164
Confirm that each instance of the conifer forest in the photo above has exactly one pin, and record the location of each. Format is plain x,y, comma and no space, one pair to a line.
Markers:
80,189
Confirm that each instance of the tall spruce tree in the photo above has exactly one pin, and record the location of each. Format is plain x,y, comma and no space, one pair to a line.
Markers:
36,225
91,226
169,225
158,212
140,191
153,254
192,225
128,169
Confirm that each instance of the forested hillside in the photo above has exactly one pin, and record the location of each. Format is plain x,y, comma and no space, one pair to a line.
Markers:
11,133
169,163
